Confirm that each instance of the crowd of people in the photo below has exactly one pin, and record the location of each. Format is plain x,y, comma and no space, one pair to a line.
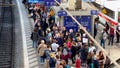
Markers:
57,46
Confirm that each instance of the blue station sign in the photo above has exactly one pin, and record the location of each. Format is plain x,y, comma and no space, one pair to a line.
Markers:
62,13
85,21
70,24
35,1
94,12
51,2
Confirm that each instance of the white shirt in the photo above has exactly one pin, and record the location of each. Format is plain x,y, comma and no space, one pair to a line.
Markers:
54,46
91,49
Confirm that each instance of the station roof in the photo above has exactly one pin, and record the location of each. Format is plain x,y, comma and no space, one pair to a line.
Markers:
114,5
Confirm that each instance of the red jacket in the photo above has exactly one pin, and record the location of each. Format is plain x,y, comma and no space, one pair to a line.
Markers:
78,63
111,31
69,45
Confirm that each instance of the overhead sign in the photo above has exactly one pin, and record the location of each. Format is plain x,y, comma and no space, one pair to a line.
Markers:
51,2
85,21
70,24
94,12
35,1
62,13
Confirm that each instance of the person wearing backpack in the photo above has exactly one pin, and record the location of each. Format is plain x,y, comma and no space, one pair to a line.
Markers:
47,53
34,37
52,61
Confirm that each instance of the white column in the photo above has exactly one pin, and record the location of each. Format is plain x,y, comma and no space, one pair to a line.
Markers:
116,15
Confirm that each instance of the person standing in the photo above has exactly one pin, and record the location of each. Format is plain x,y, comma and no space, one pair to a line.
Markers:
34,38
41,48
52,61
73,52
54,46
101,59
118,33
95,28
107,27
83,55
111,35
103,38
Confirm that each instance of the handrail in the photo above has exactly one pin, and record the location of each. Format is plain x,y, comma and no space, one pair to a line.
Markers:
97,44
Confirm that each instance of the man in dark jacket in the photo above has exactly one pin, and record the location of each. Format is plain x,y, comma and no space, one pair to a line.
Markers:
34,37
44,25
84,53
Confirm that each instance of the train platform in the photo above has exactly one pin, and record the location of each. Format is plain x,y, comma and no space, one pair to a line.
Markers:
30,54
112,50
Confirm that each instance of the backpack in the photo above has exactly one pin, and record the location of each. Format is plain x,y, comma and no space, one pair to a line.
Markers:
52,62
31,37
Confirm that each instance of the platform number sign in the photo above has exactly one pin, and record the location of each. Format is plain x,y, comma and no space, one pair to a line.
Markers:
94,12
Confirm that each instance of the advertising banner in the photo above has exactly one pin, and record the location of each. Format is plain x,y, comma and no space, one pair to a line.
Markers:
35,1
85,21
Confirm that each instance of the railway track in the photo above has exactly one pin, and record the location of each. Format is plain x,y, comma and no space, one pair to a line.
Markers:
7,36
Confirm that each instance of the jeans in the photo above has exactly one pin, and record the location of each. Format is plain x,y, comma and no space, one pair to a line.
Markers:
102,43
42,60
91,65
96,64
111,40
34,44
52,67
